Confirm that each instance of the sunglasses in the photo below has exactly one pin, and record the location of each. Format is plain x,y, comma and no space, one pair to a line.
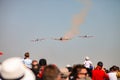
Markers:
63,76
82,73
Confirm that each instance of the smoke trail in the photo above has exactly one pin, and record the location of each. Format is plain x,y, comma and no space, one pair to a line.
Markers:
78,19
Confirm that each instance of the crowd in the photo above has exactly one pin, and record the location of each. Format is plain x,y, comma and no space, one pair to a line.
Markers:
16,68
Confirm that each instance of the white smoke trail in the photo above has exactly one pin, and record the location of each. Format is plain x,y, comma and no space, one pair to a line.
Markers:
78,19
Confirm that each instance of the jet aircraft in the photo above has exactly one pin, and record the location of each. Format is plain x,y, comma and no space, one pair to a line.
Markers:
36,40
62,39
85,36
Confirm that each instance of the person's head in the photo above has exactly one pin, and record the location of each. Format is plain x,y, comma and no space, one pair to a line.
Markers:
64,73
69,67
27,54
35,64
114,68
14,69
51,72
100,64
81,71
42,62
87,58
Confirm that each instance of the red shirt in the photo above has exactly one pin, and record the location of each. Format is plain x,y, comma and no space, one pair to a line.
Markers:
99,74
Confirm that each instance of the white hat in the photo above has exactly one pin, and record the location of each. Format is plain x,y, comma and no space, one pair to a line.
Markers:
68,65
13,68
87,58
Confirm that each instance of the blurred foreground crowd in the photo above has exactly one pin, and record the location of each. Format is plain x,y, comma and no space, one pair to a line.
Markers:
16,68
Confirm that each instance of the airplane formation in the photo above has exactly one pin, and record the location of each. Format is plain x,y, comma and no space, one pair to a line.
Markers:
61,38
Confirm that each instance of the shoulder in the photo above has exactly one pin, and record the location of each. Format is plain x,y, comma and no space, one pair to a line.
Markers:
88,78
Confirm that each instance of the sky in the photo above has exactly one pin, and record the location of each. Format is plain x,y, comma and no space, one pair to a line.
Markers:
24,20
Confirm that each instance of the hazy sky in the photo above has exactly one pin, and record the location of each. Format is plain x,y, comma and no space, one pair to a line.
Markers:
24,20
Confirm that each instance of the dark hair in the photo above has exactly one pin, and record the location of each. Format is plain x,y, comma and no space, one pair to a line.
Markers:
100,64
69,69
42,62
26,54
76,69
51,72
114,68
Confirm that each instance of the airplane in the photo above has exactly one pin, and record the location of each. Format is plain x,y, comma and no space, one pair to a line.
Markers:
62,39
36,40
85,36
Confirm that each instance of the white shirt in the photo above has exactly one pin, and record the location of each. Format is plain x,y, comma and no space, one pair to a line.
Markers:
27,62
112,76
87,64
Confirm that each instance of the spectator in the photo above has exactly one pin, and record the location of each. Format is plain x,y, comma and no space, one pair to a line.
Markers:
88,64
35,68
51,72
27,61
112,73
42,64
80,73
69,67
118,73
14,69
64,73
98,73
